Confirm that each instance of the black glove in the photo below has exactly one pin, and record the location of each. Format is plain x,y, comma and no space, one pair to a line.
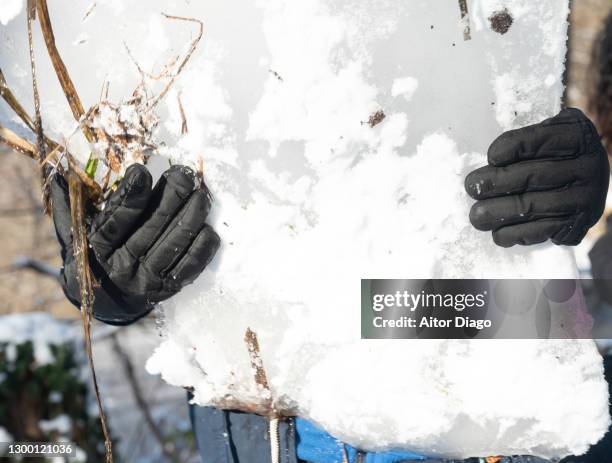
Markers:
146,244
544,181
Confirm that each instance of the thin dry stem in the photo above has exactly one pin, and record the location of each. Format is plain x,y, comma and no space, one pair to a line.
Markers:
22,146
261,379
60,68
86,286
162,74
184,127
465,17
38,128
18,109
231,403
75,190
89,10
15,142
94,190
250,338
141,401
9,97
194,45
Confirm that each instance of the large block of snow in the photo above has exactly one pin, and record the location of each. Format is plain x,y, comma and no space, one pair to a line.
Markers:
312,195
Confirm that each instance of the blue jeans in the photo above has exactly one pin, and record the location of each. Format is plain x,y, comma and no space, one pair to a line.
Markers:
237,437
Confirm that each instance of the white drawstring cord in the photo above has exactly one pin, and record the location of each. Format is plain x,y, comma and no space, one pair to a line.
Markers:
274,441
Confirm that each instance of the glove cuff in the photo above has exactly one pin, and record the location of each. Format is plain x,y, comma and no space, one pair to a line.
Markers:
110,305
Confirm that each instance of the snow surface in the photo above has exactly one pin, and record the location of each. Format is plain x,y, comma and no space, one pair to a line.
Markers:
309,199
9,9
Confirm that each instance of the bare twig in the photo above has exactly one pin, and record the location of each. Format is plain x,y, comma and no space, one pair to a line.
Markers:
9,97
184,128
14,141
465,18
60,68
25,262
11,100
40,138
128,368
89,10
276,74
86,286
22,146
95,192
250,338
75,190
162,74
192,48
200,169
229,402
18,144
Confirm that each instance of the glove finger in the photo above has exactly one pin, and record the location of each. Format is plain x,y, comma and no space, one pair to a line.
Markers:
170,193
123,210
559,136
491,181
62,218
179,235
493,213
528,233
197,257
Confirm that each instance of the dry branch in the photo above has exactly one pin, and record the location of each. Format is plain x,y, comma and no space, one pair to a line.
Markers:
22,146
184,127
14,141
76,192
89,10
261,379
86,286
38,129
94,191
193,46
9,97
60,68
11,100
26,262
138,394
465,18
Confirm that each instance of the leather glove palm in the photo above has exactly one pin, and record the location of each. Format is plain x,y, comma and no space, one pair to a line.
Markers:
544,181
145,246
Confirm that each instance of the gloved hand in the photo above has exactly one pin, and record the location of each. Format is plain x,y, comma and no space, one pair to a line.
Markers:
544,181
145,246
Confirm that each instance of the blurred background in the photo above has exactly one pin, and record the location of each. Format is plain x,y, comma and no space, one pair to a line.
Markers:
44,380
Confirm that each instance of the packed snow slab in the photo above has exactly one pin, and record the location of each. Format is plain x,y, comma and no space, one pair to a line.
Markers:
315,189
